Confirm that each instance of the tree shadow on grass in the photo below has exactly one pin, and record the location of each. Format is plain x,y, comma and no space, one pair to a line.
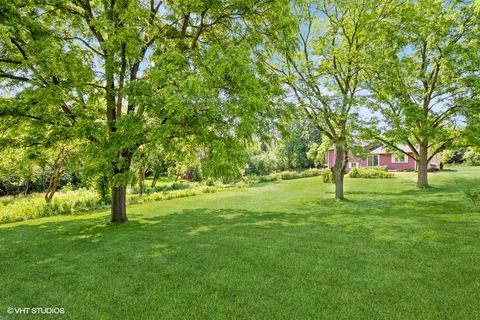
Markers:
406,214
395,217
394,236
189,248
440,199
407,204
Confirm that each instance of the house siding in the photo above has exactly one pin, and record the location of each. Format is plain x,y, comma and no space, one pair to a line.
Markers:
330,158
361,162
384,159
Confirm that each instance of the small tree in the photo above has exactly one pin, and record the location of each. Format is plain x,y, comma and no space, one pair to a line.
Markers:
59,158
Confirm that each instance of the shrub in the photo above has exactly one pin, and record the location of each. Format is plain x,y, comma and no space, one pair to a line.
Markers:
371,173
269,178
289,175
354,173
454,156
177,186
474,195
209,190
193,173
34,206
172,173
327,175
472,157
164,188
13,209
261,164
210,182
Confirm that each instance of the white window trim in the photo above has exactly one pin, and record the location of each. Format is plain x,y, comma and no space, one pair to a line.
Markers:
374,155
350,165
405,159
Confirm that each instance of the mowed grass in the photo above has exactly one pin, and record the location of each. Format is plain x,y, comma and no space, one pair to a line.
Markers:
280,250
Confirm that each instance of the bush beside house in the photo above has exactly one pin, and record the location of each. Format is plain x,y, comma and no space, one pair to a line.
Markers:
371,173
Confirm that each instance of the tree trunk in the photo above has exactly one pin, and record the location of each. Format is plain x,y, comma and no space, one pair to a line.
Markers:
338,170
26,187
119,204
141,181
154,181
53,185
422,165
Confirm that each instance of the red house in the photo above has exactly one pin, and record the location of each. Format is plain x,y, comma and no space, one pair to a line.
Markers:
379,156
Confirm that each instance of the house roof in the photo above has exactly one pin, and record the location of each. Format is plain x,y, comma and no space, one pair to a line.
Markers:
366,145
382,149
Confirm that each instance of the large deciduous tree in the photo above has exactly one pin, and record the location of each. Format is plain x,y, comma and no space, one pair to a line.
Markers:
421,80
326,68
122,73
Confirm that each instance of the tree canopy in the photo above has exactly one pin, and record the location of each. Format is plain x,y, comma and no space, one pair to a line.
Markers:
423,77
122,73
326,69
121,87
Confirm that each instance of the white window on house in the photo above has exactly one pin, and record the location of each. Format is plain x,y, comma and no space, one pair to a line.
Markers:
399,158
373,160
353,165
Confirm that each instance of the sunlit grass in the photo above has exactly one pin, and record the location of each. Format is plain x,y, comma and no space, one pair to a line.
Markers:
281,250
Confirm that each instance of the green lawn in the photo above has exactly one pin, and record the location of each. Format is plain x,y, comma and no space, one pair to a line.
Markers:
275,251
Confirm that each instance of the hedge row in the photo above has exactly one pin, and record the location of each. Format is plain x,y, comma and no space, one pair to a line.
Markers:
371,173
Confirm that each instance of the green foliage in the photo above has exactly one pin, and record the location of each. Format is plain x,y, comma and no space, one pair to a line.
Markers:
328,66
354,173
263,159
178,191
102,187
289,175
261,164
371,173
453,156
23,208
14,209
327,175
422,77
296,144
173,173
189,76
316,153
194,173
210,182
177,185
472,157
